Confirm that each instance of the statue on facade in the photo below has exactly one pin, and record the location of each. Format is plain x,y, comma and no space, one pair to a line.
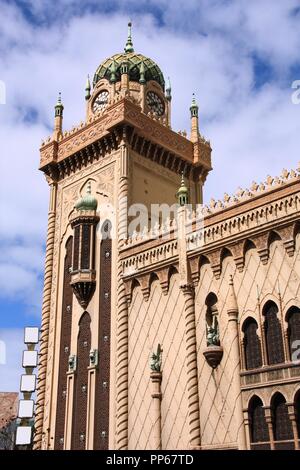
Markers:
212,332
156,359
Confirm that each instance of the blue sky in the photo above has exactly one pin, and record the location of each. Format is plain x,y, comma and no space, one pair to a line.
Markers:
239,57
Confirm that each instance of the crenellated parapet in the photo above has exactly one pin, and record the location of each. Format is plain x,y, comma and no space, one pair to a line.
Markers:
255,190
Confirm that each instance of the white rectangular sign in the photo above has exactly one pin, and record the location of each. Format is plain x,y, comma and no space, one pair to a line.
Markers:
23,436
26,408
28,383
30,358
31,335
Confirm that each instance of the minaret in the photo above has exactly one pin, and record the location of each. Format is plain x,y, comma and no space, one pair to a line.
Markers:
194,120
125,66
142,82
169,99
58,120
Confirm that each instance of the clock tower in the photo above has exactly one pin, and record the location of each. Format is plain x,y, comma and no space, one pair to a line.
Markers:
123,159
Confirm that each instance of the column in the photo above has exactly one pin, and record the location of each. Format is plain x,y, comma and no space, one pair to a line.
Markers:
43,355
192,369
122,310
292,416
268,416
233,332
156,406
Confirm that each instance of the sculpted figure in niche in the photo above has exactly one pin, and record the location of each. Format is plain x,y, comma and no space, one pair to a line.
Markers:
156,358
212,324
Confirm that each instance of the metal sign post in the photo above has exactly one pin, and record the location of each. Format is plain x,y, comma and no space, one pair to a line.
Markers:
27,387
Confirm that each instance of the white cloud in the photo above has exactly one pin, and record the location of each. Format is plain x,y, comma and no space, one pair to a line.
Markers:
204,46
10,372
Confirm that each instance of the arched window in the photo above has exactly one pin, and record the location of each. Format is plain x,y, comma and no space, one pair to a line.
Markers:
273,334
259,432
293,319
282,425
252,349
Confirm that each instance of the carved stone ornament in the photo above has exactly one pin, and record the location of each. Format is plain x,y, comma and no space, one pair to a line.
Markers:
213,355
84,292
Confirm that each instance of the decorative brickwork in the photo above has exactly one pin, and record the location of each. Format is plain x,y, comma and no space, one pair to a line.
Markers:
65,339
81,384
103,376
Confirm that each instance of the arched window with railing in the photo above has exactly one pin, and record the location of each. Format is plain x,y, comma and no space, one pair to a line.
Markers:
273,334
293,320
282,425
259,433
251,343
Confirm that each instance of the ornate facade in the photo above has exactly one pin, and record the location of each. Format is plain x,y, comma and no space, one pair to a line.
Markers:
183,333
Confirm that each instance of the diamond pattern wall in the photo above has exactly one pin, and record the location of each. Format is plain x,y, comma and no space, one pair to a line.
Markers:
160,320
218,418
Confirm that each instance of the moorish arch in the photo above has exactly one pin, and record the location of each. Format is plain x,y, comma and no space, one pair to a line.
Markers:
259,433
273,333
282,425
251,344
293,331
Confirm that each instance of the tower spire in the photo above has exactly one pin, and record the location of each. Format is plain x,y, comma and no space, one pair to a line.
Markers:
58,119
129,45
194,120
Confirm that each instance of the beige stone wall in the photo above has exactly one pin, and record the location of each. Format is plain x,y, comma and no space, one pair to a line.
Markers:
219,421
160,320
148,188
218,418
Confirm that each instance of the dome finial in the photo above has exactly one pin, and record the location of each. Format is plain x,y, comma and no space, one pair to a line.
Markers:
142,73
88,88
194,107
113,70
168,90
87,202
129,45
59,106
183,192
89,188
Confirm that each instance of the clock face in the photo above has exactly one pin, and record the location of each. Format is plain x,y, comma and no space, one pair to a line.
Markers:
155,103
101,101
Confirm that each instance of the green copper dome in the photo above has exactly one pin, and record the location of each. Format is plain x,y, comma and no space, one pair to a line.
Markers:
87,202
110,68
152,71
